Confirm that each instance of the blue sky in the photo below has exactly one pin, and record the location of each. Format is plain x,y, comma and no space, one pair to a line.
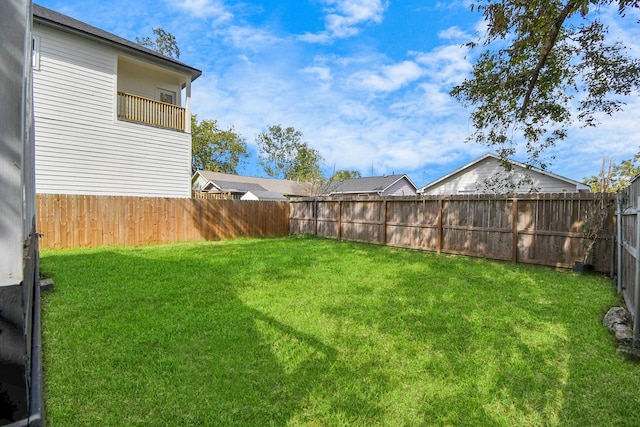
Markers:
365,81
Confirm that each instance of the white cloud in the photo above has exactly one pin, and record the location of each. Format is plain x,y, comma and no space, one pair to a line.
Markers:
249,38
204,8
454,33
447,65
390,77
321,73
320,38
344,18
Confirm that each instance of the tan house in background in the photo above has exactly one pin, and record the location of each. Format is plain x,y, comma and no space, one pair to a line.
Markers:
242,187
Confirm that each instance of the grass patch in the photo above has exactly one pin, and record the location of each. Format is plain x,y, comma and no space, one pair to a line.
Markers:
300,331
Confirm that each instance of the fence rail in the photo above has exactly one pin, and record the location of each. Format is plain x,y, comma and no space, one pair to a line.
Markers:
71,221
546,229
149,111
212,196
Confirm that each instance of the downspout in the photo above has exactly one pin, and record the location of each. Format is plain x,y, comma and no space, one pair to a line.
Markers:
35,416
36,403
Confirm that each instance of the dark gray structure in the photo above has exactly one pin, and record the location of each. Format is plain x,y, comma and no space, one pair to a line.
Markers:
20,361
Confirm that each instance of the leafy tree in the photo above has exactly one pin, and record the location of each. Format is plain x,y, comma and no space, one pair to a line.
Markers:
284,155
540,57
345,174
164,43
214,149
614,178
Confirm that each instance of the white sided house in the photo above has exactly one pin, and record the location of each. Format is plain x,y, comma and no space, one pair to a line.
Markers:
487,175
112,117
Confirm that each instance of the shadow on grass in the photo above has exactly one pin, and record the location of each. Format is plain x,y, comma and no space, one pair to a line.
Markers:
135,339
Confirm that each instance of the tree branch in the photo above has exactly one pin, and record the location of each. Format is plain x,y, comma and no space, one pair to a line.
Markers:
546,50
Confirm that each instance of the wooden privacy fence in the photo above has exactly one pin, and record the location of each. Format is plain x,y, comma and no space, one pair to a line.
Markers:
546,229
71,221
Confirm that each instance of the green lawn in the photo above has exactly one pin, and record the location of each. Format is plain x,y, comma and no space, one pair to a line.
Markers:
303,331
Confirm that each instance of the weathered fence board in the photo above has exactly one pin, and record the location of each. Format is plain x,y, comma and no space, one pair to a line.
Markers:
546,229
70,221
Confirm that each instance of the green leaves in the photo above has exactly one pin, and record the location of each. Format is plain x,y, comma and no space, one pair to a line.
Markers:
526,90
164,43
345,174
214,149
284,155
614,178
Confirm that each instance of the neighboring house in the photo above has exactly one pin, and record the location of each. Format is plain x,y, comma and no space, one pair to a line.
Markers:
246,187
391,185
487,175
112,117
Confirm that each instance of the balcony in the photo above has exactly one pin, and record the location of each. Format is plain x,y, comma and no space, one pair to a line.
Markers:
138,109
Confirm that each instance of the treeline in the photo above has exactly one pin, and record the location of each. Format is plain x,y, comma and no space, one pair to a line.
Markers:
283,154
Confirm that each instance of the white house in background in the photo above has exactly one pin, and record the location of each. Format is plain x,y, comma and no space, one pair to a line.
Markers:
487,175
246,187
388,185
112,117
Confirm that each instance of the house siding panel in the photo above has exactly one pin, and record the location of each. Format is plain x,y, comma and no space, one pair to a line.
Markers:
400,188
80,146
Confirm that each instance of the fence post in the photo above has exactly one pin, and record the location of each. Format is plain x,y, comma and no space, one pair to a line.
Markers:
619,242
384,223
315,217
340,219
636,289
514,231
440,225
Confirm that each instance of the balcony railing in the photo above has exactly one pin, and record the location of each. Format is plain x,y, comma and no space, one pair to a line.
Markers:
151,112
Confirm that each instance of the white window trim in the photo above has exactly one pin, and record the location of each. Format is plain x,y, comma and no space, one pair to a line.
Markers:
160,91
35,53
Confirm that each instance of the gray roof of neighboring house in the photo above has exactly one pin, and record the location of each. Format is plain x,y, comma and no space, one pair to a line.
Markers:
238,187
374,184
267,195
51,17
579,185
281,186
